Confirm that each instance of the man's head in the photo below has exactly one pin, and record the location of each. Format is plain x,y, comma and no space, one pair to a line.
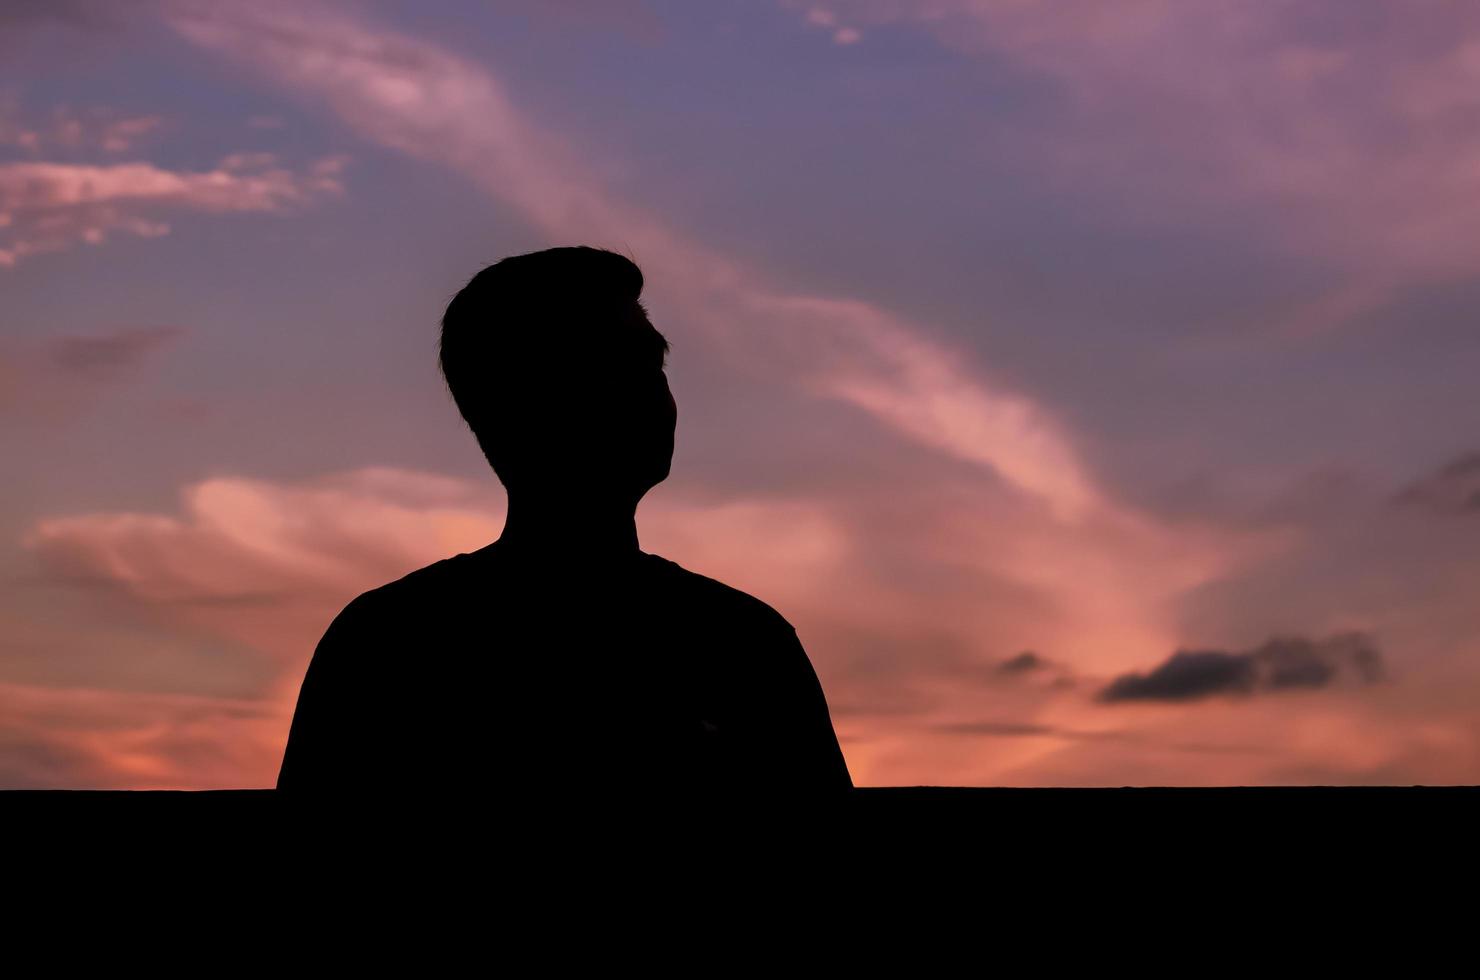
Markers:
554,365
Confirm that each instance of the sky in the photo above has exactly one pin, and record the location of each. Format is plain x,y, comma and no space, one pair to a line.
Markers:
1089,382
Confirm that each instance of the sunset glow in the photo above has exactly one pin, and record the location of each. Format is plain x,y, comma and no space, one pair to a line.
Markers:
1090,383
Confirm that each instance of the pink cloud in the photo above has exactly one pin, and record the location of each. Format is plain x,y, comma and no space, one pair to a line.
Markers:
432,104
428,102
262,566
239,538
265,565
71,130
121,136
908,597
79,738
1347,143
48,207
1053,559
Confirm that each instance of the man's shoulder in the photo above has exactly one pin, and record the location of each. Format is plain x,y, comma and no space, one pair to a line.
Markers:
442,581
435,575
417,586
716,594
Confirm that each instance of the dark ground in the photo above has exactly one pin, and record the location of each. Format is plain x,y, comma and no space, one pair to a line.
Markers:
1312,818
1226,868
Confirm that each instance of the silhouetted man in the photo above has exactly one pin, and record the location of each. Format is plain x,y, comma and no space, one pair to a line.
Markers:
561,656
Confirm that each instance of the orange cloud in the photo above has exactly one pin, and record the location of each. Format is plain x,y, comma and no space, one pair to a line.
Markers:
907,596
1086,574
239,538
905,619
79,738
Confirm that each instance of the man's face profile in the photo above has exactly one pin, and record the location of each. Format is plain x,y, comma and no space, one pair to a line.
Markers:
617,416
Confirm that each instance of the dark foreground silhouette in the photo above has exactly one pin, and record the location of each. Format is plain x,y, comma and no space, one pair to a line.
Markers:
408,876
562,654
633,674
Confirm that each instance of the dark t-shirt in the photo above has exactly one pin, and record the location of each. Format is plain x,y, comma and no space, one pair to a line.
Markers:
480,672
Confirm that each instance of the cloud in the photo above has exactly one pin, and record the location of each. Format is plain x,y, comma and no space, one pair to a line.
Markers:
248,573
1022,663
1452,489
1339,136
242,182
999,729
240,539
262,566
428,102
1036,546
58,376
1364,558
1010,729
822,17
155,650
48,207
1067,537
1028,549
1188,674
80,738
120,136
1055,532
105,354
1281,663
323,540
69,130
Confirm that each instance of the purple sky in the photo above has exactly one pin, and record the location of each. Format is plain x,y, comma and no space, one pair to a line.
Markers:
1135,335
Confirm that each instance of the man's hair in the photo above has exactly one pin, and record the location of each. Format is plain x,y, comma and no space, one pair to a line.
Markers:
562,305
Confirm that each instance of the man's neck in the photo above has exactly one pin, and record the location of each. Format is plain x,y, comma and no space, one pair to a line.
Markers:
546,531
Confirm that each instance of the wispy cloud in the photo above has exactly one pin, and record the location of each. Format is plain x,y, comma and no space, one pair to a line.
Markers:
81,738
56,376
951,521
1002,729
1338,135
1094,567
48,207
239,538
68,130
101,355
431,103
1066,537
263,566
1453,488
